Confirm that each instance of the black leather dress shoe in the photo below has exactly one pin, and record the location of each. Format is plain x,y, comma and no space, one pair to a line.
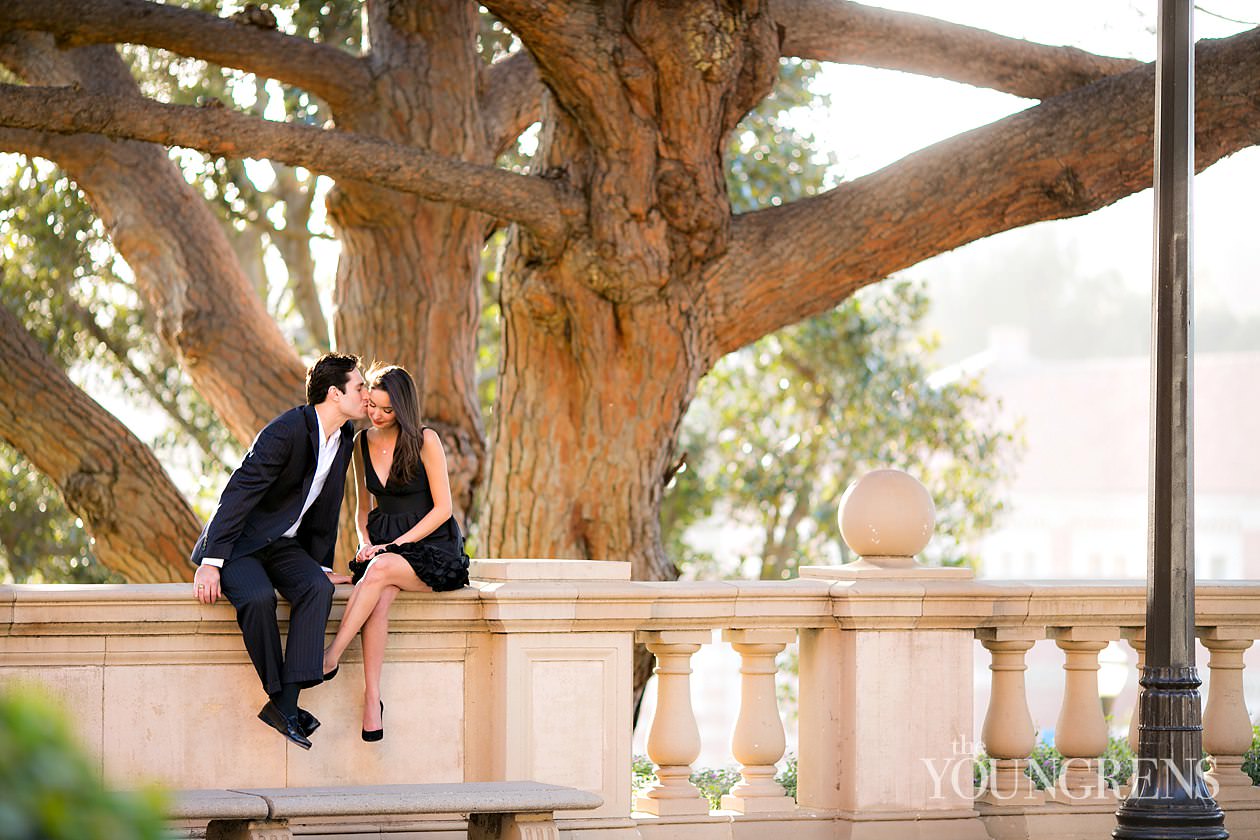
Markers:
285,725
307,721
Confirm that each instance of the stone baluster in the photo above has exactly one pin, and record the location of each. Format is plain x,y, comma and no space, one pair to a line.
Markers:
758,741
674,740
1226,724
1081,732
1136,638
1008,734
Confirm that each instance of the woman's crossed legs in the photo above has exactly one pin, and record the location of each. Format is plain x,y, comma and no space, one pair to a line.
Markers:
368,610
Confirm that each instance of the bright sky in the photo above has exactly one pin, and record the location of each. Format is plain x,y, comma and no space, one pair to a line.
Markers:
878,116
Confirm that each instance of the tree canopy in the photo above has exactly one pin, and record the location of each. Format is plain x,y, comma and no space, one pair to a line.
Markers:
627,271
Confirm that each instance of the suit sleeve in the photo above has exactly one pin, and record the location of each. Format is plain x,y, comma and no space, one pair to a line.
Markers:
263,462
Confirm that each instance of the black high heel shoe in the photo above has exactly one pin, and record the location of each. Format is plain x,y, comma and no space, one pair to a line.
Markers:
332,673
376,734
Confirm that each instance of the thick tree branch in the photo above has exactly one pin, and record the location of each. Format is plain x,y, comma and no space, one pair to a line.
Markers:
511,99
850,33
202,305
339,78
1066,157
533,202
143,527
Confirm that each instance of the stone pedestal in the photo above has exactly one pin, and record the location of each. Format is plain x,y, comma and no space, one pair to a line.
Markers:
559,696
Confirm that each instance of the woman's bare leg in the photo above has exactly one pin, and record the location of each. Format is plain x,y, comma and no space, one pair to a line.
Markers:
386,570
375,634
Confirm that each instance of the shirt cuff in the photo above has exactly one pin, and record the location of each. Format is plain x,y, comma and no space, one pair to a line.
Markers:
217,562
326,569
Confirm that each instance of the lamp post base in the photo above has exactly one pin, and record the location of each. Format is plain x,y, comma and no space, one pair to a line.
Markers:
1169,797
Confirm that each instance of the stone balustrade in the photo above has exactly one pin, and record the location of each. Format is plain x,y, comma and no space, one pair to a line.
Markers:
527,675
1081,619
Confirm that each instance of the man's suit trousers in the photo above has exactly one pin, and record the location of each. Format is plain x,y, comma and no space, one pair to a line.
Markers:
251,583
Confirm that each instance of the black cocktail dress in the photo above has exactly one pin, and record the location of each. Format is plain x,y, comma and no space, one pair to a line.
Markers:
438,559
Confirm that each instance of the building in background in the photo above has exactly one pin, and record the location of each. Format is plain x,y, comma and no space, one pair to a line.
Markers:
1077,505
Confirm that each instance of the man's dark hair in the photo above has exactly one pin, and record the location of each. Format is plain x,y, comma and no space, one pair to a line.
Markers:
331,370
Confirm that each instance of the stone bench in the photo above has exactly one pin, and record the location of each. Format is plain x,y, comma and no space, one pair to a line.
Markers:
495,809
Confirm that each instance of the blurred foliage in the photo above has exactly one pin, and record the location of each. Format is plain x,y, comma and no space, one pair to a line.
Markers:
714,783
1251,761
41,541
49,790
779,429
495,41
770,158
642,774
271,212
1047,763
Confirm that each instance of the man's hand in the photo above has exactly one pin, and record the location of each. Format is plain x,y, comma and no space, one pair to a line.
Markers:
336,578
206,584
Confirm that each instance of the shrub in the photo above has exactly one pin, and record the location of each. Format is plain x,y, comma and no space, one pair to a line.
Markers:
788,777
643,774
1047,763
713,783
1251,761
48,789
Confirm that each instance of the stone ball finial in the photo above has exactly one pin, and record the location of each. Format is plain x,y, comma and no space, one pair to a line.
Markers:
887,513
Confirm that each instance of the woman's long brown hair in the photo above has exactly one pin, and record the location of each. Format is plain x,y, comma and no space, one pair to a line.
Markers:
396,382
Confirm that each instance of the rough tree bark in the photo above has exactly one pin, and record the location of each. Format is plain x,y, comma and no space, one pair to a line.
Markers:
142,525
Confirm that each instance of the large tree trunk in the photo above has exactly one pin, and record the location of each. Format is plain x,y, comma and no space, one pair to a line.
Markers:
604,342
142,526
408,278
588,423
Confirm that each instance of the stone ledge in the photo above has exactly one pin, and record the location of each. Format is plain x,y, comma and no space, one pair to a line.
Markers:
570,570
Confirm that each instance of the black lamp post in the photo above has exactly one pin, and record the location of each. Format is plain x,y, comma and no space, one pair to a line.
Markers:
1169,798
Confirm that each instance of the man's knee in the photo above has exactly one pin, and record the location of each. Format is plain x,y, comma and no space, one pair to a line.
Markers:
320,589
256,601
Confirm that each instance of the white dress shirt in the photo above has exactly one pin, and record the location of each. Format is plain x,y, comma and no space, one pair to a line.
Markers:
323,465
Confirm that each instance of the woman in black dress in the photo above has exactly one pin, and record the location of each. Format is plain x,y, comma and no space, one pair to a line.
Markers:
408,540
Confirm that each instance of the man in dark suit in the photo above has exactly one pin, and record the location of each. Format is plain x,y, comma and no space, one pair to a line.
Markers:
275,529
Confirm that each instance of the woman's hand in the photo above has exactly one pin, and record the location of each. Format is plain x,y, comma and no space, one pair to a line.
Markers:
367,552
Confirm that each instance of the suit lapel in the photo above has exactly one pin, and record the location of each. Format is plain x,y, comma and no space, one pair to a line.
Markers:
313,441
